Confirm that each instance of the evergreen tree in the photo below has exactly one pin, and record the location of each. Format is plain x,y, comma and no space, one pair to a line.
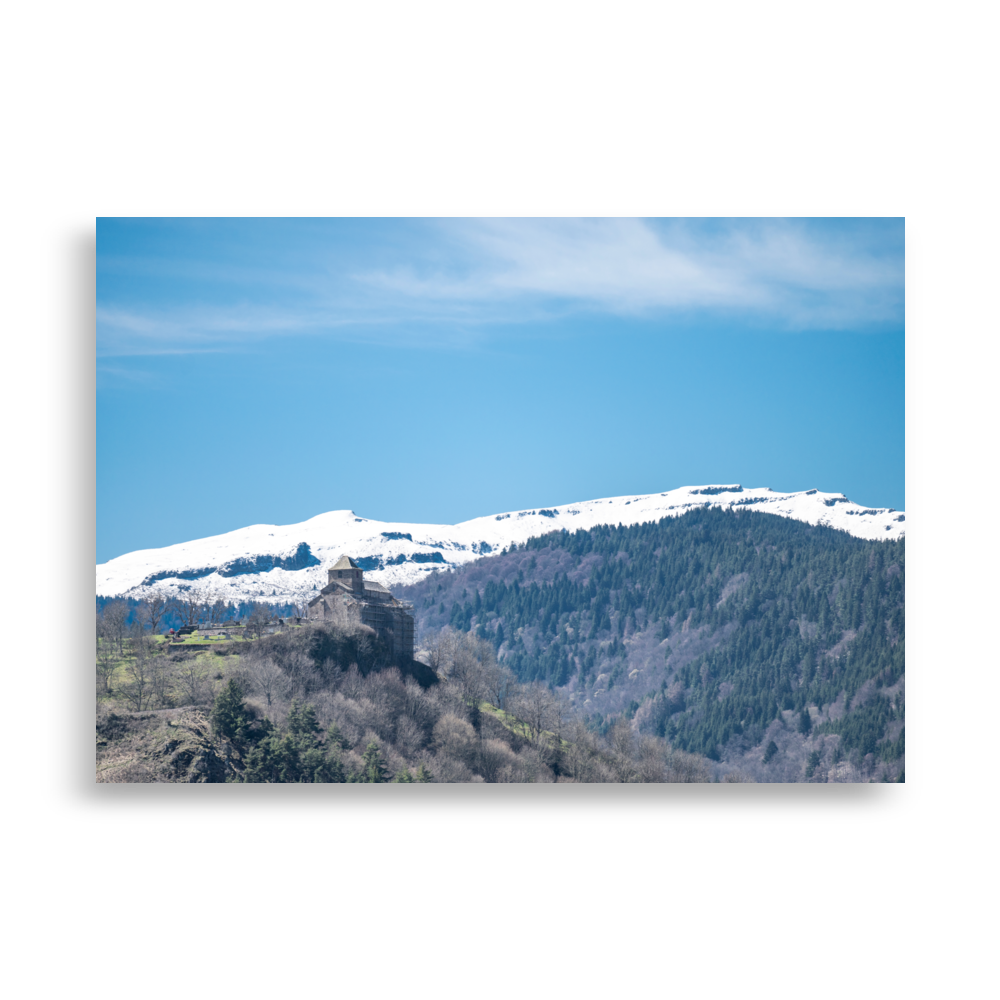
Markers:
258,764
229,711
334,738
333,768
423,775
302,719
282,758
313,764
809,668
375,770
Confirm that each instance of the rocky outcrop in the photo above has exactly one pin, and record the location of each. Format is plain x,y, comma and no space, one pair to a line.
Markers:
174,745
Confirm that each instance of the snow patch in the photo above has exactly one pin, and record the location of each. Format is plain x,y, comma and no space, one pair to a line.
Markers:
290,560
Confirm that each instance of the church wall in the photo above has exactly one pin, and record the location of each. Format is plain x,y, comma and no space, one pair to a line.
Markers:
391,622
394,626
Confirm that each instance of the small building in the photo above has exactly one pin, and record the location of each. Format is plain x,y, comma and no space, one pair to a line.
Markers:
379,609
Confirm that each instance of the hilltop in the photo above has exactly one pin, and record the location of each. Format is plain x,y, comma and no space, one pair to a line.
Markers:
722,631
284,564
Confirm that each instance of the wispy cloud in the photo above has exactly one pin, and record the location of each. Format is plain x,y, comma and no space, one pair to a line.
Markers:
186,329
776,269
449,281
118,374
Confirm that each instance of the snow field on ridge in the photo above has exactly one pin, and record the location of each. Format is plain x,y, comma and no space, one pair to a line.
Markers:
398,553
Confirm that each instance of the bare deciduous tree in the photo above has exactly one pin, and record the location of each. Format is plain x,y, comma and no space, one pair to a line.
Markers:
300,673
497,762
189,609
157,668
115,617
140,641
151,611
534,764
439,650
582,758
468,668
107,659
455,738
536,707
410,737
685,767
352,683
161,677
138,689
649,763
259,620
147,672
621,740
266,677
470,663
193,682
499,682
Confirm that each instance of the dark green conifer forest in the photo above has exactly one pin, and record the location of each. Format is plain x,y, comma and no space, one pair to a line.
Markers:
710,628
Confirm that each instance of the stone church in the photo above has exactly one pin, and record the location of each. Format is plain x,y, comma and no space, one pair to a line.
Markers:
379,609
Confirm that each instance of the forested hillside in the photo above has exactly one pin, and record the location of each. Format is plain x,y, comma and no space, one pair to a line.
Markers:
755,640
325,704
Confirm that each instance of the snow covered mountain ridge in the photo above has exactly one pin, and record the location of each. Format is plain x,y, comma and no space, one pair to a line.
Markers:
288,563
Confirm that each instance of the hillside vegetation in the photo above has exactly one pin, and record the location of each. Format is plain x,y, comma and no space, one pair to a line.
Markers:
720,645
323,704
754,640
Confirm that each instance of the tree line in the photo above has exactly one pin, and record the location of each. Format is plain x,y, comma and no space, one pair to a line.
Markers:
159,613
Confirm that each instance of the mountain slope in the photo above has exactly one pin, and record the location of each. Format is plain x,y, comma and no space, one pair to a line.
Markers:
722,631
286,563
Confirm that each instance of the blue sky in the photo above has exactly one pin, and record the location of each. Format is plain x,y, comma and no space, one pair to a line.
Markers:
267,370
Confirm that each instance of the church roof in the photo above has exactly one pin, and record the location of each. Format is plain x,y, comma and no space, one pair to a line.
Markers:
345,562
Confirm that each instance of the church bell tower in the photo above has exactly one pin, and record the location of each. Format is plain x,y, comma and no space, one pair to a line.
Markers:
345,570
